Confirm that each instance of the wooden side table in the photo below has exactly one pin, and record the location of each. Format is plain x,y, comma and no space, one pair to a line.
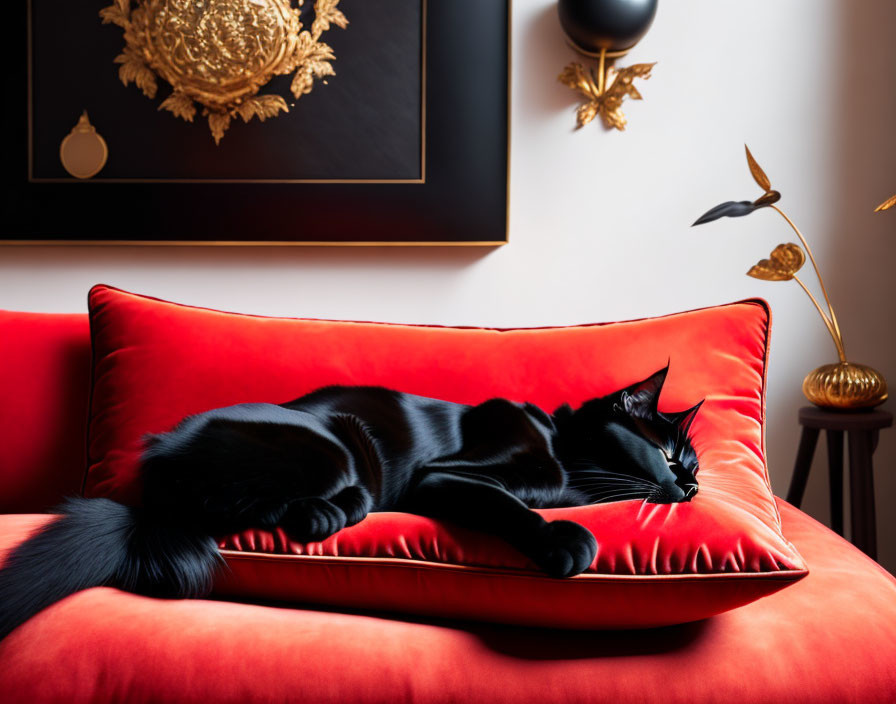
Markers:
863,428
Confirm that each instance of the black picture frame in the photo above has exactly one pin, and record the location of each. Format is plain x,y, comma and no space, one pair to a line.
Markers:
461,198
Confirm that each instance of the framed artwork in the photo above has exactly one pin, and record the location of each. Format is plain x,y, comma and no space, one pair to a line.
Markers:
333,122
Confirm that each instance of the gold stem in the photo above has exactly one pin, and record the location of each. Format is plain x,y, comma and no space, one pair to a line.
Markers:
828,324
824,291
601,77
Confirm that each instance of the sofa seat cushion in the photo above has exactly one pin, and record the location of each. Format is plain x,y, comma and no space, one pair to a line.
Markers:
830,638
411,564
155,362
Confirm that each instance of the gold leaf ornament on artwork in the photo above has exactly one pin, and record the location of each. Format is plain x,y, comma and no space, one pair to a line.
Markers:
218,54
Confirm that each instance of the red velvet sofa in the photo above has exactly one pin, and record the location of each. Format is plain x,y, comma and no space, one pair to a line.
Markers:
829,637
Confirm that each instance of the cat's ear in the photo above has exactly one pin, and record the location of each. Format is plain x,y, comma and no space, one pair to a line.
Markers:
683,419
562,418
564,411
562,414
641,399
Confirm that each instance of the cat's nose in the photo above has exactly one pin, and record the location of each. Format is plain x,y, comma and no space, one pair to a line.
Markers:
690,491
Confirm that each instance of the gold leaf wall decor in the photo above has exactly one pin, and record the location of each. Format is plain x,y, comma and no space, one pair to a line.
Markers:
604,91
221,53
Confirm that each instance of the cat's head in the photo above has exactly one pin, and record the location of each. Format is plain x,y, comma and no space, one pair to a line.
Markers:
622,447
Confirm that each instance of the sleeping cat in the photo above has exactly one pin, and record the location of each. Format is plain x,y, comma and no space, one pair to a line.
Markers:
324,461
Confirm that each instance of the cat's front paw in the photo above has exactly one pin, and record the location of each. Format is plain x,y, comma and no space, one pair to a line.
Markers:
355,502
564,549
313,519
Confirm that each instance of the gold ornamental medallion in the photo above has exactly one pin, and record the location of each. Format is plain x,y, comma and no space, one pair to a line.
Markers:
83,152
220,53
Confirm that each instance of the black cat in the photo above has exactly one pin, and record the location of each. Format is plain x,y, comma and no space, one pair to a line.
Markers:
323,461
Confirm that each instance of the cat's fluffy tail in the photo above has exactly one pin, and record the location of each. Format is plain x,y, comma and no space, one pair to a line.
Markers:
98,542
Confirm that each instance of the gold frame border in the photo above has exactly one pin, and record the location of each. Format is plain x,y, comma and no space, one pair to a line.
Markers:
227,243
284,243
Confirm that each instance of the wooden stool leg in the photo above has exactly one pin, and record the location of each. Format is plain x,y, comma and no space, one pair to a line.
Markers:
803,463
835,478
861,493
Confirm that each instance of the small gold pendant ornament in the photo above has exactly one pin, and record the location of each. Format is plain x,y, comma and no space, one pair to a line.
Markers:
220,53
83,152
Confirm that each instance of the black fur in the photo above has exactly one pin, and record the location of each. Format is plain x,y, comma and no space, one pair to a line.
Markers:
324,461
99,542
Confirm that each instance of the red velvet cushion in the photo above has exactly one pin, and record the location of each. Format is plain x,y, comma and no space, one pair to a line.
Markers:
44,382
828,640
155,362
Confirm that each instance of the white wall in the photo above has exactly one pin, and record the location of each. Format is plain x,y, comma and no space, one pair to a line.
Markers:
600,220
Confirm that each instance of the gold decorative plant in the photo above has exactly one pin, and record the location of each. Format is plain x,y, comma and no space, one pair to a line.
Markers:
844,385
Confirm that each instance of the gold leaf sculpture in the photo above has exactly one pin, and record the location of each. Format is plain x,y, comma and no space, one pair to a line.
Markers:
604,91
844,385
220,53
757,172
782,264
886,205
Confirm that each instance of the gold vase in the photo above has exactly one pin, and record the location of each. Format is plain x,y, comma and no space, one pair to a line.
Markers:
845,386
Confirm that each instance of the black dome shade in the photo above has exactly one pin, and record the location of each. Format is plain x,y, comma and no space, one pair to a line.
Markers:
613,25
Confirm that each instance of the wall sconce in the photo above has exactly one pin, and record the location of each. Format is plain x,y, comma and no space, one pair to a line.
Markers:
604,30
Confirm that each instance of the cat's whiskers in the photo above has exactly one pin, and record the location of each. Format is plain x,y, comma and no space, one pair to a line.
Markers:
598,491
610,495
612,482
620,486
601,472
610,486
609,478
620,496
